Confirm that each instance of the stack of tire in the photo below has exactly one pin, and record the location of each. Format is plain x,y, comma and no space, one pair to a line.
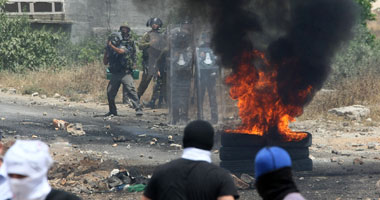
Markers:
238,152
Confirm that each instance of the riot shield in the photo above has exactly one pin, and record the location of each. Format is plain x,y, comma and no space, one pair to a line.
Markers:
207,77
180,72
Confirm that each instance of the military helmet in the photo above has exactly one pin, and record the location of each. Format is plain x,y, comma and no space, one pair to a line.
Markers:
115,38
124,25
154,20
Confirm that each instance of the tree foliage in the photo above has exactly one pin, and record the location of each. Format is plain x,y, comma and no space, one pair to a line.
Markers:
21,47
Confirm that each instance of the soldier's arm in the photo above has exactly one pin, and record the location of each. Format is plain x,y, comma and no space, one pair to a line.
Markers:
134,53
144,42
117,50
105,57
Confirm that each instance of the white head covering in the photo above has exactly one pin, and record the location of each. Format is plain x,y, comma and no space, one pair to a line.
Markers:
31,159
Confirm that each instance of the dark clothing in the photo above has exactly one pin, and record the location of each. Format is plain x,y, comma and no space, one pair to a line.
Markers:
61,195
122,63
191,180
276,185
152,44
159,89
129,90
121,66
208,82
208,74
144,83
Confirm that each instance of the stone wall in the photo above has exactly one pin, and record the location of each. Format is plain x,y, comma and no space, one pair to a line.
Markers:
97,16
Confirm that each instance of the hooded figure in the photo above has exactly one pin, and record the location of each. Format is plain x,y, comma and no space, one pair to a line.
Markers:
273,175
192,176
27,164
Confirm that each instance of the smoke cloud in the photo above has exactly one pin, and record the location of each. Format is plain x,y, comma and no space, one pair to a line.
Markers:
300,37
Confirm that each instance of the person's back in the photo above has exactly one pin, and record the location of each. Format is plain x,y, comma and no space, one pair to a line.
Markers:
192,176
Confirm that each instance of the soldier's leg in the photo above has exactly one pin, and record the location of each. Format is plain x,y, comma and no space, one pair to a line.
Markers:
112,89
156,92
163,90
129,85
145,80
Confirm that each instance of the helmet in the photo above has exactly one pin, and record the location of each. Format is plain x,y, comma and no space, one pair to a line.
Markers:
124,25
115,38
154,20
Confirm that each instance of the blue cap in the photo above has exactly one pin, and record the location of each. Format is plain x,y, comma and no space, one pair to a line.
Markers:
269,159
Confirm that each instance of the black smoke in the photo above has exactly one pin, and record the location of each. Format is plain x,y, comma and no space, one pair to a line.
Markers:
304,55
299,37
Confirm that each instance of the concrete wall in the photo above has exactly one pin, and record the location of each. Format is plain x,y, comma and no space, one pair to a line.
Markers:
95,16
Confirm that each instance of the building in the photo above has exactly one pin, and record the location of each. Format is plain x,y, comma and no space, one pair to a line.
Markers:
80,18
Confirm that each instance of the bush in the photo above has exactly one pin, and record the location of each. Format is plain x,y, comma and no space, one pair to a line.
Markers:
23,48
357,58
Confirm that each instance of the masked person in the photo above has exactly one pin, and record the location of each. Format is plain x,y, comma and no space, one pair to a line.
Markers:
5,191
192,177
120,54
273,173
27,164
152,43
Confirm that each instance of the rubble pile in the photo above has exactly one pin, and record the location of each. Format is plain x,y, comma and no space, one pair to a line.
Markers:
96,176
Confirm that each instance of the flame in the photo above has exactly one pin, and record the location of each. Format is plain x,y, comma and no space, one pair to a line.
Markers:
260,106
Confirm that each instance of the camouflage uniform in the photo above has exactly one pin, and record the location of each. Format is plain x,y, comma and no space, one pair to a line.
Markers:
159,89
151,53
121,66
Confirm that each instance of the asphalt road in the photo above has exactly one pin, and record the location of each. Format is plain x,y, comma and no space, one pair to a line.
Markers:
30,118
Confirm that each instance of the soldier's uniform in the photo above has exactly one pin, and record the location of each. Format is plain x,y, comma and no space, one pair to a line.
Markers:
159,89
208,74
152,43
181,72
121,66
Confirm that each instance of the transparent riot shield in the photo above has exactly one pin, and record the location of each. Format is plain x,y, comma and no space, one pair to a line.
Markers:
180,72
207,78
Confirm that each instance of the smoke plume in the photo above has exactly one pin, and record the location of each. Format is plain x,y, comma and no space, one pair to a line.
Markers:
299,37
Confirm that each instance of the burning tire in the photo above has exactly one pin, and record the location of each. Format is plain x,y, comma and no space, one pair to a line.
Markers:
247,166
238,151
247,140
248,153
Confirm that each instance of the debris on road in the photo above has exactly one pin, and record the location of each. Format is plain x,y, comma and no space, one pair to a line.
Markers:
60,124
358,161
177,146
119,139
75,129
240,184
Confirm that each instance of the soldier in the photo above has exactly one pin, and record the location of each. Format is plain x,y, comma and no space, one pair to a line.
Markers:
151,44
181,71
120,54
207,74
159,89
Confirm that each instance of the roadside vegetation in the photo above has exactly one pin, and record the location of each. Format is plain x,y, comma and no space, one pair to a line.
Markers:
355,75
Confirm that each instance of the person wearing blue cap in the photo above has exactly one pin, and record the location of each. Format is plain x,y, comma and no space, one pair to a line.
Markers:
273,175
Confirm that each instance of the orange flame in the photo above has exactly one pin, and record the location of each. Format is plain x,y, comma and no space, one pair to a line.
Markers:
260,105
